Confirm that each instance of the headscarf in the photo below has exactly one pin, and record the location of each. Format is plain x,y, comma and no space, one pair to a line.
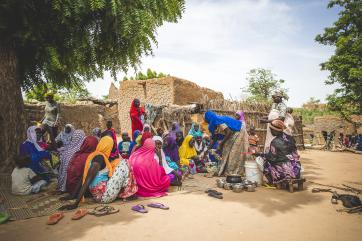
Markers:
177,129
145,136
195,133
241,114
146,126
186,152
214,120
96,132
135,114
151,177
133,143
171,149
66,137
76,166
66,156
31,137
165,165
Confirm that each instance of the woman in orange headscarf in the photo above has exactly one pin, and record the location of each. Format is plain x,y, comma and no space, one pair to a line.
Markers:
105,179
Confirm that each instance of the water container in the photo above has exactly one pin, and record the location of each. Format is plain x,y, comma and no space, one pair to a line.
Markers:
252,172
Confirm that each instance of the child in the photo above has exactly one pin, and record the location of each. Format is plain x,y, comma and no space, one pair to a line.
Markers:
124,145
23,180
253,140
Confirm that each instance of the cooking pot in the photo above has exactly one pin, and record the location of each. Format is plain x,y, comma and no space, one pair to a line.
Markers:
234,178
228,186
238,187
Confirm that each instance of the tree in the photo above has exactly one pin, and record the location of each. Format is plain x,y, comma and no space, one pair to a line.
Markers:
345,65
150,74
71,94
66,42
262,84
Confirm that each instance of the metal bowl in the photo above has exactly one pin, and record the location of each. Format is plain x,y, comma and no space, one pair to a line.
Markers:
228,186
238,187
220,184
234,179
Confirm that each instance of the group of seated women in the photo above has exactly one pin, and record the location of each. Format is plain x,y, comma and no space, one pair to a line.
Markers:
149,162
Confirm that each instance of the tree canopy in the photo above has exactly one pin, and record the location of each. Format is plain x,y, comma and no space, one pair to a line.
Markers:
66,42
262,83
345,65
150,74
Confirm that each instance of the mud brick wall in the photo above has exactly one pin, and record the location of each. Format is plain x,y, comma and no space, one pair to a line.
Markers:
161,91
85,116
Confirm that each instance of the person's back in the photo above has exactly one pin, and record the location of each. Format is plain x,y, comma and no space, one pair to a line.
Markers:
20,180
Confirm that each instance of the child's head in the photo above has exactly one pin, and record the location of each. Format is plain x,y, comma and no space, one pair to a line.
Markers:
22,161
125,136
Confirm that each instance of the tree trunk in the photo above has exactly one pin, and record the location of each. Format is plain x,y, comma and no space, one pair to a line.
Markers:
12,124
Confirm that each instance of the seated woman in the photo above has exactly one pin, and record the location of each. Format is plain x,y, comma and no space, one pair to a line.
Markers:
188,155
76,165
179,138
175,128
195,130
106,180
175,175
136,142
112,133
37,154
233,146
282,161
152,179
170,149
66,153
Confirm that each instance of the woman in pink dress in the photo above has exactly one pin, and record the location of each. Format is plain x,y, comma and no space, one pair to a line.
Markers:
152,179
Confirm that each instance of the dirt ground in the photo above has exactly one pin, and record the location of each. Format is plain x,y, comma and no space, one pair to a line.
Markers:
263,215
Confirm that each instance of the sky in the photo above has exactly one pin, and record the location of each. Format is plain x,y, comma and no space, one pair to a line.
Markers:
217,42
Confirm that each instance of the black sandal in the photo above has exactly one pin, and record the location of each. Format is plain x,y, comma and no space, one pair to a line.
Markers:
213,191
212,194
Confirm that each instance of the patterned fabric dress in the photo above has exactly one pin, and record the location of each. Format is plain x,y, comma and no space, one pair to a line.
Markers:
65,156
282,161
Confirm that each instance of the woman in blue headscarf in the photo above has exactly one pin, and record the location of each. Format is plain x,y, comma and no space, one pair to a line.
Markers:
234,144
195,130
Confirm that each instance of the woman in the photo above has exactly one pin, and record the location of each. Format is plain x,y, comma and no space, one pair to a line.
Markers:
282,161
171,148
174,174
105,180
64,138
137,114
152,179
134,145
32,148
239,115
65,156
175,128
179,138
195,130
188,154
289,122
234,144
112,133
76,165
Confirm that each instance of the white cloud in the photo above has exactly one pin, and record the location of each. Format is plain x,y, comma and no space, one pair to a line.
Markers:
217,42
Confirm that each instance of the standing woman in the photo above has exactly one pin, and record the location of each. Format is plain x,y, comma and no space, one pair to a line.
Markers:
65,156
233,146
137,114
51,117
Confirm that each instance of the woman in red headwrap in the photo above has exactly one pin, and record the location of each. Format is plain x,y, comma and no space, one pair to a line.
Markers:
137,114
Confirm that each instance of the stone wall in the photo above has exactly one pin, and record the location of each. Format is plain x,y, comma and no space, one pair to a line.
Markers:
83,115
161,91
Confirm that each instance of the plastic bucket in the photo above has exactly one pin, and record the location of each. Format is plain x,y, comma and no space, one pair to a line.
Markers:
252,172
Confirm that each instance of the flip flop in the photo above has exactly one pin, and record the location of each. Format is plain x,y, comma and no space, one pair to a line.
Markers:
55,218
103,210
139,208
213,191
80,213
212,194
158,205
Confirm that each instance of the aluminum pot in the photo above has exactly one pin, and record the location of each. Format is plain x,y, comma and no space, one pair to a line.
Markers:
220,184
238,187
228,186
250,188
233,178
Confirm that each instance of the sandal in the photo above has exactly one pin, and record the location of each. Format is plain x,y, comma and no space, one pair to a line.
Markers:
80,213
55,218
212,194
213,191
103,210
139,208
158,205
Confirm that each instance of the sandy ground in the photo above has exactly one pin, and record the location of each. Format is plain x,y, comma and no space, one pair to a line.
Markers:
263,215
